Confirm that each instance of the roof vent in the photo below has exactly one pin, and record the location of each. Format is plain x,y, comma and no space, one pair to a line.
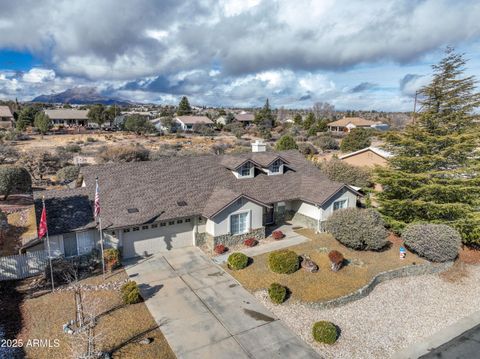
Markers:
259,146
132,210
181,203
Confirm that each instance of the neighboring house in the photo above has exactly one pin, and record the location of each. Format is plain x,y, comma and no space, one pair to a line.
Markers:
149,207
246,119
6,117
367,157
68,117
346,124
187,123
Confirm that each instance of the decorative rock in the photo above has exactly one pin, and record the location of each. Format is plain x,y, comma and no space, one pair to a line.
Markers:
308,264
145,341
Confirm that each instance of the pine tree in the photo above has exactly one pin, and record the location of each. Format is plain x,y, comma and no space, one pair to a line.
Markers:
184,107
434,174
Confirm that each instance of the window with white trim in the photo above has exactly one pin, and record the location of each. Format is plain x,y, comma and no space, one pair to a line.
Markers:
339,204
239,223
245,169
275,168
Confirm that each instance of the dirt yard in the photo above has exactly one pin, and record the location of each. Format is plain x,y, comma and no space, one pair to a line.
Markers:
119,330
361,267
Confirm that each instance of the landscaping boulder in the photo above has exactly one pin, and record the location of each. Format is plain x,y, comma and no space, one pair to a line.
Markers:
307,264
337,260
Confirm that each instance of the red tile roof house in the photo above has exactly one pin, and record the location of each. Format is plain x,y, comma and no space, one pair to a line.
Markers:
149,207
6,117
186,123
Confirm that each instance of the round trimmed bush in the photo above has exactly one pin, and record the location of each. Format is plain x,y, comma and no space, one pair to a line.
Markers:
68,173
435,242
324,332
283,261
277,293
360,229
237,260
130,293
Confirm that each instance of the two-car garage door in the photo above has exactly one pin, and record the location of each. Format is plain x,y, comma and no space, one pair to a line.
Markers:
154,238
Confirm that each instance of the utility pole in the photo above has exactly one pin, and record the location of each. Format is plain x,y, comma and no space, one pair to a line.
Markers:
415,107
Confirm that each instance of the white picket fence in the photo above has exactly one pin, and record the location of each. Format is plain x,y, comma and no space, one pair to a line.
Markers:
23,265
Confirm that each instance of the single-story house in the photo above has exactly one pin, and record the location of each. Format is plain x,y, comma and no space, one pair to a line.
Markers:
149,207
347,123
367,157
6,117
187,123
68,117
246,119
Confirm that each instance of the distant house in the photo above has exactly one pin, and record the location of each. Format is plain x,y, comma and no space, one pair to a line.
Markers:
186,123
246,119
6,117
367,157
347,123
68,117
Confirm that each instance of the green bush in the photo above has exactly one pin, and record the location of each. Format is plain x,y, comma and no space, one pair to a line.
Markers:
324,332
326,142
339,171
435,242
69,173
283,261
91,139
277,293
357,139
286,142
130,293
237,261
14,179
74,148
360,229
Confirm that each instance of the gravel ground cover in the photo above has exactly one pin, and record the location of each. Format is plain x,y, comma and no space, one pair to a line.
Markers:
396,314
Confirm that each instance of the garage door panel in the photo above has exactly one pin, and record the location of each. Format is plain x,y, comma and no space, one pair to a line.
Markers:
153,240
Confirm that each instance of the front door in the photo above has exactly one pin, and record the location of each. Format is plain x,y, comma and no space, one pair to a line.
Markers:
269,216
70,244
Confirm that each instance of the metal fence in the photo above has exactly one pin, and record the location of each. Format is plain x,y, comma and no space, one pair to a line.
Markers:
23,265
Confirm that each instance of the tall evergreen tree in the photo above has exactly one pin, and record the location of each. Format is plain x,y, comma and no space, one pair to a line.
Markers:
184,107
434,175
265,120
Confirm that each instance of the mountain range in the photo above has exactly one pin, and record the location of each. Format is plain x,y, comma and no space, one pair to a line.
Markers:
80,96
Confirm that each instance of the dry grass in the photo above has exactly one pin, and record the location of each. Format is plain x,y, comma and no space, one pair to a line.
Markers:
324,285
469,255
120,326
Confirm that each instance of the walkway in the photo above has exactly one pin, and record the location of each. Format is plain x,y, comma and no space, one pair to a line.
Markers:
291,239
204,313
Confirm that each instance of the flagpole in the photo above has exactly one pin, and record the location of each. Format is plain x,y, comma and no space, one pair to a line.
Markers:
101,245
49,253
96,212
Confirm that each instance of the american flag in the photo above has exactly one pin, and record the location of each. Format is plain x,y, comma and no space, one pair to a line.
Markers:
96,206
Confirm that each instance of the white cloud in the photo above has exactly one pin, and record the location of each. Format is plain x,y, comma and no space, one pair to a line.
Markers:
36,75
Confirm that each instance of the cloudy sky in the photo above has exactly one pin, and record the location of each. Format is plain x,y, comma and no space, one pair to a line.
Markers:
368,54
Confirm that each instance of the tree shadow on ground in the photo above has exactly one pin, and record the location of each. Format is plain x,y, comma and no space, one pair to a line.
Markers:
11,317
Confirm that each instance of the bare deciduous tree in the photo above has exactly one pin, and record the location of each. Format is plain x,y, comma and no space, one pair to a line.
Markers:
324,110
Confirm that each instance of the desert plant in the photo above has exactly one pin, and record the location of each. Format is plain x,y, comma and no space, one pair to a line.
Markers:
130,293
112,258
73,148
435,242
277,235
283,261
326,142
324,332
250,242
129,153
14,179
360,229
69,173
337,260
237,261
277,293
220,249
91,139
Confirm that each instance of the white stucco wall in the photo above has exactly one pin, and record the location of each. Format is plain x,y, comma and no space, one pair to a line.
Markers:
341,195
220,224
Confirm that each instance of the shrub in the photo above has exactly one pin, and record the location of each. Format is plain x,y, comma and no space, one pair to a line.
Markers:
325,332
335,257
220,249
357,139
277,235
69,173
337,170
283,261
277,293
73,148
326,142
286,142
129,153
361,229
130,293
14,179
112,258
250,242
91,139
435,242
237,260
307,149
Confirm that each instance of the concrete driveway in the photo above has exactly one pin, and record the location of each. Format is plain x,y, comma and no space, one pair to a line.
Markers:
204,313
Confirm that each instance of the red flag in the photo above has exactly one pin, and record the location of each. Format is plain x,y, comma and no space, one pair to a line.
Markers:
42,228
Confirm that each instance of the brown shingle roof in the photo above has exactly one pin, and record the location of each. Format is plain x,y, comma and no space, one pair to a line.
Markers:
244,117
155,188
5,111
67,114
192,120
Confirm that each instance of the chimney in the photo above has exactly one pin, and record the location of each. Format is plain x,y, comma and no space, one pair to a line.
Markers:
259,146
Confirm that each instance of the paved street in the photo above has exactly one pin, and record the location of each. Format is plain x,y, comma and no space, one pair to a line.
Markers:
465,346
204,313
